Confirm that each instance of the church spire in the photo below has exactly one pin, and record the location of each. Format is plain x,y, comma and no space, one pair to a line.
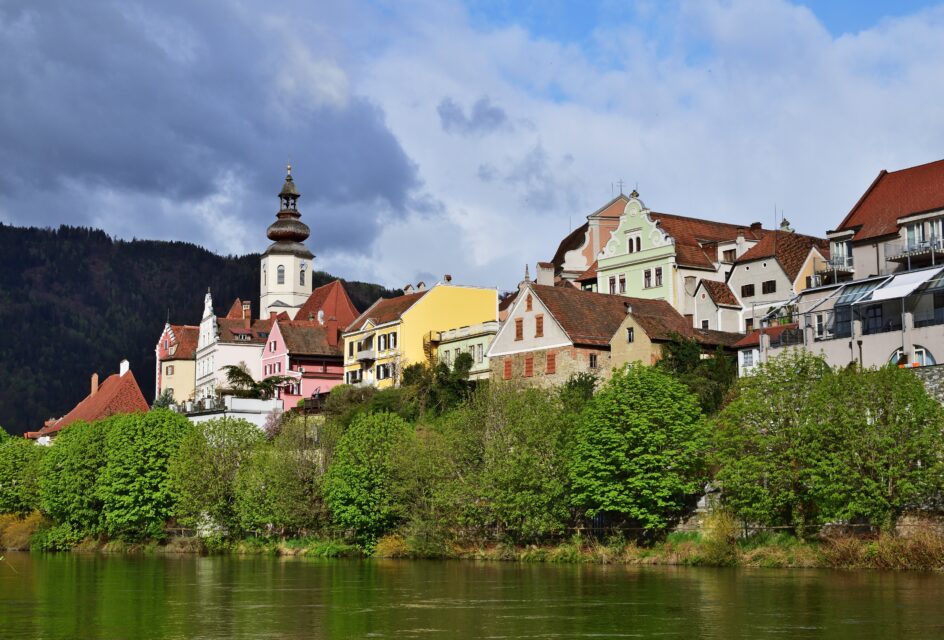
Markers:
288,232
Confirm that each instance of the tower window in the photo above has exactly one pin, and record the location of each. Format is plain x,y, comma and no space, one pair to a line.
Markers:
281,275
301,277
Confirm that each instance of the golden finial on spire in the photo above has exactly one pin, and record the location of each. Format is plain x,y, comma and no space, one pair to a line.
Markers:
288,167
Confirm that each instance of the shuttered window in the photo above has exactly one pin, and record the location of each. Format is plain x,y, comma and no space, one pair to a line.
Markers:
551,367
519,329
529,366
507,372
539,326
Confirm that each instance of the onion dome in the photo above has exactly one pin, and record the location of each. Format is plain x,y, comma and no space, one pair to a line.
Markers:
288,232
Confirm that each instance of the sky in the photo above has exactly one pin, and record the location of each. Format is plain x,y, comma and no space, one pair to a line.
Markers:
443,136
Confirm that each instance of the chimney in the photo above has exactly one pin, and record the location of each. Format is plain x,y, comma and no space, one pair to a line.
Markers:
755,226
247,310
447,278
629,308
421,286
94,384
740,232
123,368
545,275
272,315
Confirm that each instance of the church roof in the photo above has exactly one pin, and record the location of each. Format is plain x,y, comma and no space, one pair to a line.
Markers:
332,298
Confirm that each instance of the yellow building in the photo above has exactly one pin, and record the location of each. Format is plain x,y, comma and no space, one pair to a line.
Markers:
396,332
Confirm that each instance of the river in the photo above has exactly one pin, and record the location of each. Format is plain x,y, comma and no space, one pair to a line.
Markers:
129,597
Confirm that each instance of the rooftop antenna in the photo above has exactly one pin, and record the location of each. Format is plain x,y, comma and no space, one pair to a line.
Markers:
620,183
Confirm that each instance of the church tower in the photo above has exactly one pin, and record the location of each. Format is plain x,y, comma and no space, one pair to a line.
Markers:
285,281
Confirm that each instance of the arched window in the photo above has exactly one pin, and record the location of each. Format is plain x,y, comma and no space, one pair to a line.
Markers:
264,276
281,276
301,276
920,357
638,243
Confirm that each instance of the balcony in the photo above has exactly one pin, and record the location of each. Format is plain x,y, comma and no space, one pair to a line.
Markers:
916,253
366,355
837,264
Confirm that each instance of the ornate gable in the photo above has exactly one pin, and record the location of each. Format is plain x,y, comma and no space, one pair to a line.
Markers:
635,222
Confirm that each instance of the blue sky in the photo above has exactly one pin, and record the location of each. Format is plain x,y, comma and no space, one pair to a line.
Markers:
441,136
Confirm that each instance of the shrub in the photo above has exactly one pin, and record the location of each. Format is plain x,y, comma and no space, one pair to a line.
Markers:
20,463
17,531
392,546
719,539
60,537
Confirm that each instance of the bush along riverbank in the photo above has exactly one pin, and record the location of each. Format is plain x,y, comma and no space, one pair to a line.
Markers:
441,468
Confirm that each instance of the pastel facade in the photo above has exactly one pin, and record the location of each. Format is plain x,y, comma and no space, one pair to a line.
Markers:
579,250
394,333
176,365
474,340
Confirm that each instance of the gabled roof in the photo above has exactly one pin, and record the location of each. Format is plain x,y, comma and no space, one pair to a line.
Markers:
753,338
236,311
333,300
386,310
185,337
257,330
586,317
304,338
118,394
690,233
720,293
789,249
893,195
575,239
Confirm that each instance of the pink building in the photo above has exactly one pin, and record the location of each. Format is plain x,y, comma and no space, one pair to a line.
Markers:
309,350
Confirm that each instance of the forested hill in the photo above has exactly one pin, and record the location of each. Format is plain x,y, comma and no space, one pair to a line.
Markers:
74,301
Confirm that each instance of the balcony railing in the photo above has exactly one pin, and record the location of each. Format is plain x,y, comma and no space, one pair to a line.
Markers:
915,250
836,263
366,354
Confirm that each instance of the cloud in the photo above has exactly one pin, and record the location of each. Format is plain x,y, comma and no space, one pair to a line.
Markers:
484,117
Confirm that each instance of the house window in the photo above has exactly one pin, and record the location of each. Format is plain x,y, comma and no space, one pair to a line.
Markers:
704,324
915,236
612,285
169,370
622,283
658,276
539,326
382,343
281,275
519,329
480,353
551,365
446,356
506,374
350,349
647,279
593,361
630,334
458,353
529,366
631,245
729,255
638,244
393,340
769,286
528,303
820,325
747,358
749,325
873,319
747,290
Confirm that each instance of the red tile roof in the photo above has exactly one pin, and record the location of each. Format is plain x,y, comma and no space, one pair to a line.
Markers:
331,298
235,311
303,338
753,338
118,394
893,195
789,249
720,293
185,337
590,274
257,330
691,233
386,310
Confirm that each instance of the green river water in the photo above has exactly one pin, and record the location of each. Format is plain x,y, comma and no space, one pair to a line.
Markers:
94,596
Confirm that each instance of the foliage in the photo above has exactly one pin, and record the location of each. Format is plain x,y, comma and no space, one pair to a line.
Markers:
357,486
639,450
70,476
20,462
203,470
578,390
135,486
439,388
164,401
708,378
242,384
62,537
763,440
17,531
103,311
277,490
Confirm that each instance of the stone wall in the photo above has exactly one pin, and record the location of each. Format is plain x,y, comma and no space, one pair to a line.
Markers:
569,360
933,379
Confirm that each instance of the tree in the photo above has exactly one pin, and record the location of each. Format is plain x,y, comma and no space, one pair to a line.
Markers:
203,470
277,489
708,378
241,383
20,463
70,477
577,391
164,401
639,449
763,439
135,487
358,484
879,447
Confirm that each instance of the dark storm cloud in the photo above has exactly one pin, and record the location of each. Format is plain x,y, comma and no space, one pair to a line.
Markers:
484,117
171,105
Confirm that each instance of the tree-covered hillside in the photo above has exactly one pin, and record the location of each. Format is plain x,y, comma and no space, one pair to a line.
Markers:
74,301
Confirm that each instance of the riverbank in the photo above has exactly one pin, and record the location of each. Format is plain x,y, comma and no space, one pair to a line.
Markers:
921,551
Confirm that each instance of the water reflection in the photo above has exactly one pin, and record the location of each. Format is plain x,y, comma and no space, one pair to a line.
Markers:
94,596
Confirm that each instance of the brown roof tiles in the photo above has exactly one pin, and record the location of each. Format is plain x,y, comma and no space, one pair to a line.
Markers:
386,310
333,300
118,394
789,249
720,293
691,233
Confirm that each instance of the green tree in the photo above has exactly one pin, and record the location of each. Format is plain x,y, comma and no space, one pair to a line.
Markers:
20,464
203,470
878,445
70,477
639,450
277,489
763,441
241,383
164,401
709,379
357,486
135,487
578,390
